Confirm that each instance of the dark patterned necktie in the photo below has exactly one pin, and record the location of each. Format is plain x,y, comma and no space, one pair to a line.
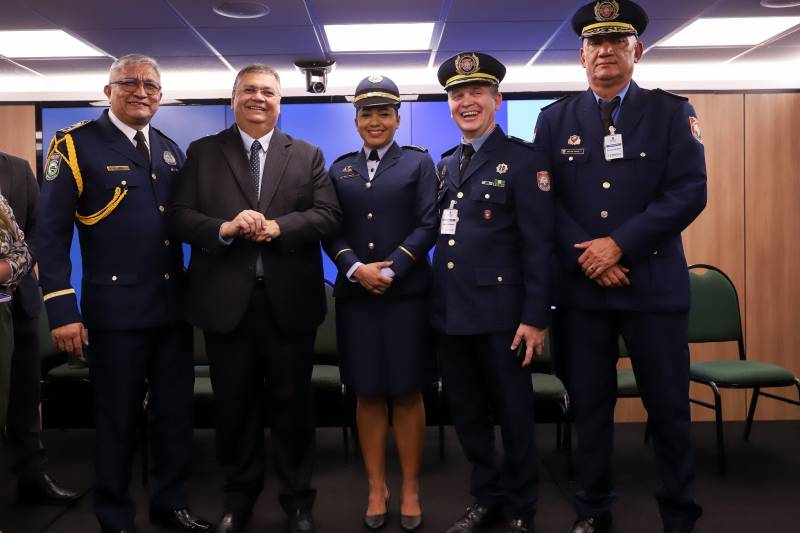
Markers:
466,156
255,165
141,147
606,110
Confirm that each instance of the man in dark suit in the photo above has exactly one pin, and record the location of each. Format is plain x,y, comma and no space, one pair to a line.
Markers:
491,291
254,204
111,177
629,174
29,458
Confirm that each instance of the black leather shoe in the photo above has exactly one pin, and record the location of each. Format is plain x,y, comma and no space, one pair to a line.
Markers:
301,521
181,519
410,522
41,488
519,525
230,523
475,517
592,524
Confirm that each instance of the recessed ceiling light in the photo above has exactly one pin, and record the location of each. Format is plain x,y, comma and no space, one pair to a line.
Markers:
379,37
43,43
780,3
240,9
744,31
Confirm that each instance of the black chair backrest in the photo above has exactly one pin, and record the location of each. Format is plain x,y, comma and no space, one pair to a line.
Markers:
325,352
714,313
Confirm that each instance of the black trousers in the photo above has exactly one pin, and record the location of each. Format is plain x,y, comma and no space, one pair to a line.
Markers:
123,365
587,345
486,385
253,366
23,422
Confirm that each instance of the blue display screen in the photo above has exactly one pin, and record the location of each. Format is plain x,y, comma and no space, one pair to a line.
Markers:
327,125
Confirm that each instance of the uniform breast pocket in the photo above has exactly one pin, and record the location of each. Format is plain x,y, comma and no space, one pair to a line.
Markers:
122,179
649,163
569,161
491,195
120,278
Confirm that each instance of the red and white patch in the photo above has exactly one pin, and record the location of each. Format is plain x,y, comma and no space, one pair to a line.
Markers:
543,180
694,124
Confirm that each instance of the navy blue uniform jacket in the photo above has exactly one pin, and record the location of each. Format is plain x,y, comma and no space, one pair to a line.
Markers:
495,272
131,271
376,227
643,201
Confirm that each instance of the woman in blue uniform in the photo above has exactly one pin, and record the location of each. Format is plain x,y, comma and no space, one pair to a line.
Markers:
388,199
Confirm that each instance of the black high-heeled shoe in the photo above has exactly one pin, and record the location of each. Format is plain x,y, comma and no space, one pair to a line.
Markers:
377,521
410,522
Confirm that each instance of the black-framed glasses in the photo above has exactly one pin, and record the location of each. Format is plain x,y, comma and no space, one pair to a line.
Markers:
129,85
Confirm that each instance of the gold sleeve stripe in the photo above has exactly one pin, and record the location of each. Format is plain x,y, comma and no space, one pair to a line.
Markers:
340,252
56,294
413,258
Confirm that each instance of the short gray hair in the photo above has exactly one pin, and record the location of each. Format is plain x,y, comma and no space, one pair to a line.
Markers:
256,67
130,60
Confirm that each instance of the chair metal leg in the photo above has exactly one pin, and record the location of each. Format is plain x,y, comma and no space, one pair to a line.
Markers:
751,412
720,436
558,436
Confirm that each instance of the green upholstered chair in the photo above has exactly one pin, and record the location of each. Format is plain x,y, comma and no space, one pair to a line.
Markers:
330,394
714,317
548,392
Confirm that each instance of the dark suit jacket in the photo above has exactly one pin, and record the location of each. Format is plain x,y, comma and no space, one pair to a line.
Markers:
213,187
643,200
20,188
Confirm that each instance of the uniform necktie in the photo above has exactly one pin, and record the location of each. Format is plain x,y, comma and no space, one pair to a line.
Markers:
606,110
141,146
373,156
466,155
255,165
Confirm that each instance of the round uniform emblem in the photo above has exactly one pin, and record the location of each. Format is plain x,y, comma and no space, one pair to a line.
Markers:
375,78
467,64
606,10
695,127
169,158
53,166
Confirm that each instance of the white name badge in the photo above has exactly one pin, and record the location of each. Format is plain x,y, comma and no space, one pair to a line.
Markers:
612,145
449,220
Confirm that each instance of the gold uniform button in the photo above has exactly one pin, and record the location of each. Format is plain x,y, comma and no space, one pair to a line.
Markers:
450,265
499,279
123,182
451,242
166,276
606,185
153,175
371,246
166,243
487,195
460,195
113,278
369,216
603,214
368,185
643,154
161,208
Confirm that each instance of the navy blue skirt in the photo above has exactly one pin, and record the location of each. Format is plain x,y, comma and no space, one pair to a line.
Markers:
385,344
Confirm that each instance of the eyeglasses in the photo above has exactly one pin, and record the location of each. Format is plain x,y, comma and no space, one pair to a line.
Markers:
130,85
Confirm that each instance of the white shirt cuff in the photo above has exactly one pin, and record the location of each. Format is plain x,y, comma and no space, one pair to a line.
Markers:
352,271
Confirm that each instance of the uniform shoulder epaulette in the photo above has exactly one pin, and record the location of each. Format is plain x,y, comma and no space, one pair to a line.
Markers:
523,142
415,148
74,127
667,93
450,151
558,101
349,154
167,137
